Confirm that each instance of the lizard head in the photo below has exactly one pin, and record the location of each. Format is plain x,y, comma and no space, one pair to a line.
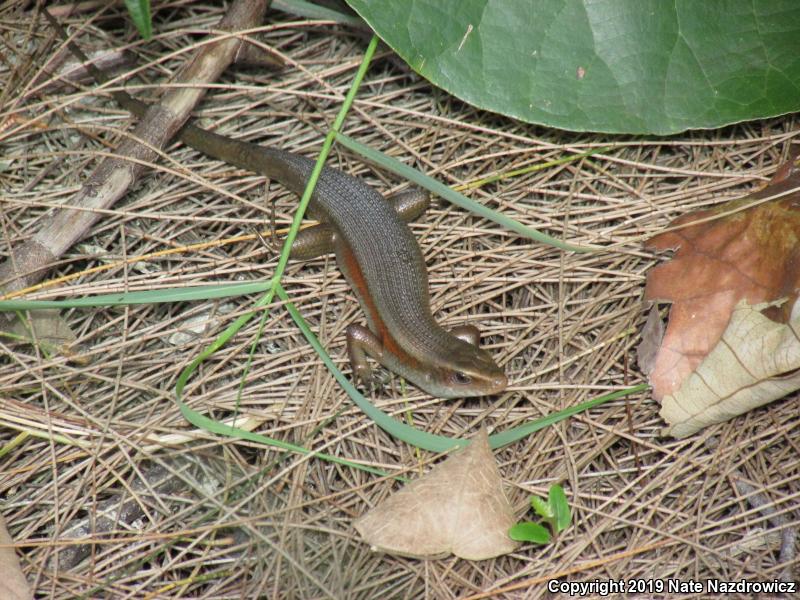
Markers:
468,371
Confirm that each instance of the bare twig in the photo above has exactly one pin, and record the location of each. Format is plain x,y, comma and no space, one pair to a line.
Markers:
113,514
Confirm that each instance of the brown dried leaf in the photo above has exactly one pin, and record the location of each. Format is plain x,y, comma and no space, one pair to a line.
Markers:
13,585
757,361
458,508
751,254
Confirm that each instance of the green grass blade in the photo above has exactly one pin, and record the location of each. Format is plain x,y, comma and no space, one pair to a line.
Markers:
505,438
185,294
213,426
449,194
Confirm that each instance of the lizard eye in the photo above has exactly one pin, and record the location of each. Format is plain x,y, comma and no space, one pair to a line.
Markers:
461,378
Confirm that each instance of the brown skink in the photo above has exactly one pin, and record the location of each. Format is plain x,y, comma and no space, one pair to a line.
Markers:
379,257
383,263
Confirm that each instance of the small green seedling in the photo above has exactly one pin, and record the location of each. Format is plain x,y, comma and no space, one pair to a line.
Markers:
139,11
554,511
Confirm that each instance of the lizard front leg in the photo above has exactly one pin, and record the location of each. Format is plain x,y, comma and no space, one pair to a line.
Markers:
360,343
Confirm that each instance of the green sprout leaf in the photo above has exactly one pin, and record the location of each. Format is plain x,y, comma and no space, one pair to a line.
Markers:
557,501
529,532
542,508
139,10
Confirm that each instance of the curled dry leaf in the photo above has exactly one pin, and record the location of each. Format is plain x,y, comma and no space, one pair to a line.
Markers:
757,361
13,585
742,251
458,508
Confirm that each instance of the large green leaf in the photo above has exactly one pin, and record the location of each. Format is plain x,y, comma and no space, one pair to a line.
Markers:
632,66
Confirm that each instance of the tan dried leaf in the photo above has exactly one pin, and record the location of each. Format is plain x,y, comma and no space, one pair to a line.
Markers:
755,362
458,508
13,585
